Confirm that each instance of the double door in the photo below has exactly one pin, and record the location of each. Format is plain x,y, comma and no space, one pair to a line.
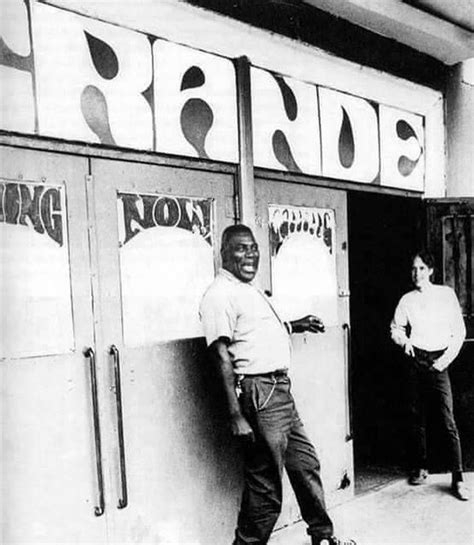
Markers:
110,429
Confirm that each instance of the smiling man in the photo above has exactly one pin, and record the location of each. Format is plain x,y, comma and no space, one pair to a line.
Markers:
251,347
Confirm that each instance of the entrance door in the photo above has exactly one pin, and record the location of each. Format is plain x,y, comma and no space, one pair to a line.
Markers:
302,232
450,236
173,474
48,456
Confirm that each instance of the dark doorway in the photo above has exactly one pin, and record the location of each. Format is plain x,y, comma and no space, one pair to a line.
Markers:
383,232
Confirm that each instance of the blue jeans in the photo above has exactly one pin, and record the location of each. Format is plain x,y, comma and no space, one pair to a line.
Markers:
280,442
427,385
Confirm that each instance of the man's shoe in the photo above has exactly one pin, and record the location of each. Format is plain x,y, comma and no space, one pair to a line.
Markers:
333,540
418,476
461,491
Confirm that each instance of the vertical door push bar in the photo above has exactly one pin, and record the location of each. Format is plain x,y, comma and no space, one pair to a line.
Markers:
348,371
123,501
99,509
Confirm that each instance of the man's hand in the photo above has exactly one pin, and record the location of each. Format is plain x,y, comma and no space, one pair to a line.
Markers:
439,366
408,348
308,323
239,426
241,429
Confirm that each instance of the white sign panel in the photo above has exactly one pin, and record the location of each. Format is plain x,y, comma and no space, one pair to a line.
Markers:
166,263
349,136
17,108
285,123
402,149
195,103
35,288
92,80
303,262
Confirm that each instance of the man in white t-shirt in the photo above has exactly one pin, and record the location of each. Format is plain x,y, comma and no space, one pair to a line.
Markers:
428,324
250,345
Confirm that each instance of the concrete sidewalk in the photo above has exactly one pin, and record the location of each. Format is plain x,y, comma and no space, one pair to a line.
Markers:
399,514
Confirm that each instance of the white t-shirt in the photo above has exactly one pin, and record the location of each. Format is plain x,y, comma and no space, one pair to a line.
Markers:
259,341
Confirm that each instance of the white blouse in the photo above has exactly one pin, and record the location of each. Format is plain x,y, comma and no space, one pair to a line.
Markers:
430,319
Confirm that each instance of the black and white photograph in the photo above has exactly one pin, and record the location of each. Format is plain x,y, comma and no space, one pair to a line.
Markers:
237,272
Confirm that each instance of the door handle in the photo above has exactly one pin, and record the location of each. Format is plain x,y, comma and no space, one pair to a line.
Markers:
99,509
123,501
347,332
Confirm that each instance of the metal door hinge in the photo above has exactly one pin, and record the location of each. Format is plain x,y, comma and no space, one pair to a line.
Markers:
232,207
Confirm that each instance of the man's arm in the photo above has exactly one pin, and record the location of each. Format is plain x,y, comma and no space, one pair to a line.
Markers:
220,356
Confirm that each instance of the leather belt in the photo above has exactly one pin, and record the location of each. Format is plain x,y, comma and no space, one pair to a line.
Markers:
272,374
426,358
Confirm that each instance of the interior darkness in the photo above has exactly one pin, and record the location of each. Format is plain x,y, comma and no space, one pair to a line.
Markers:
383,232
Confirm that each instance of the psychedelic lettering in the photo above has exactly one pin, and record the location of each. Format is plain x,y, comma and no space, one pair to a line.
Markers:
285,123
139,212
195,103
92,80
349,136
401,148
101,83
285,221
33,205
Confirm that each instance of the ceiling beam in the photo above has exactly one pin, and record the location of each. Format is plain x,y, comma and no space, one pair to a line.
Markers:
406,24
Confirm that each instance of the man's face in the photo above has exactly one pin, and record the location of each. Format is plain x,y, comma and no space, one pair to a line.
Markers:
241,256
420,273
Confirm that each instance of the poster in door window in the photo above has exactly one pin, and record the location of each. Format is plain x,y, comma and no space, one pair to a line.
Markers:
166,263
35,285
303,261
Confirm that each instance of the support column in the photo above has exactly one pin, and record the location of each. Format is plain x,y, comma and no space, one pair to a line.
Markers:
459,131
245,178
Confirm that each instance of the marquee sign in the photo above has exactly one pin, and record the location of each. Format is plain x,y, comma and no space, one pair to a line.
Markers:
90,81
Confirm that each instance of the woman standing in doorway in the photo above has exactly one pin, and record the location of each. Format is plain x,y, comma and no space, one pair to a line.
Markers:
428,324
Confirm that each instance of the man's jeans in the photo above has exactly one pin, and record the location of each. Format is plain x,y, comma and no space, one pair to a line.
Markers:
424,385
280,442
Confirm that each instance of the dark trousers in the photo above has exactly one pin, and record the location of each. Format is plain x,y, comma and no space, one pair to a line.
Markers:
281,442
428,387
